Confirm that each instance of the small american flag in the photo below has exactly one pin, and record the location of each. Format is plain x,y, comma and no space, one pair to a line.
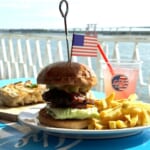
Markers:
84,45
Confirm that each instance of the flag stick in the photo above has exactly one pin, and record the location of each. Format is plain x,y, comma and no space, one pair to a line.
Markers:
105,59
64,15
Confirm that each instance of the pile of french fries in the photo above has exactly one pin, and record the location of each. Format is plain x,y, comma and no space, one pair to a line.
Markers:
118,114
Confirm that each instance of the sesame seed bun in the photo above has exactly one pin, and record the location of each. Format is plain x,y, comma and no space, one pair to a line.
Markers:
65,73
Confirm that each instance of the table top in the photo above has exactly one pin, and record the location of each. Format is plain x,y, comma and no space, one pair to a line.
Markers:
14,136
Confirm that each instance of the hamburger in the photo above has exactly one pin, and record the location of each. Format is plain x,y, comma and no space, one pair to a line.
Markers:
67,102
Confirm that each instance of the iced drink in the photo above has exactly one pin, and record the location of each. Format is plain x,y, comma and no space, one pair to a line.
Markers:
124,80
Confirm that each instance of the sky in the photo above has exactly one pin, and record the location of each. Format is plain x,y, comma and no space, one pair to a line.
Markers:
45,14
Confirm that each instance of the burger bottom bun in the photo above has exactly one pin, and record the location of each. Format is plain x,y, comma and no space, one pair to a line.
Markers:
47,120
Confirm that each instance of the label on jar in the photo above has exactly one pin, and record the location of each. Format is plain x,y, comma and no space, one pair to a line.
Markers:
120,82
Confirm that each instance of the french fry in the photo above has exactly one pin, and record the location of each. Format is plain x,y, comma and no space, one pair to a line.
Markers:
112,125
111,114
132,97
145,117
121,124
95,124
104,104
109,100
132,120
131,108
122,113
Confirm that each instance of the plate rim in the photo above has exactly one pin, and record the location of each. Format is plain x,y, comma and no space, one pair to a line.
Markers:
95,133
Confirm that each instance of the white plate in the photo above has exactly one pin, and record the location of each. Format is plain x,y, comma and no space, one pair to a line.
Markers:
30,119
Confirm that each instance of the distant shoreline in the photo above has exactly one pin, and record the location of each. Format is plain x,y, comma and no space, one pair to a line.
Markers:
102,32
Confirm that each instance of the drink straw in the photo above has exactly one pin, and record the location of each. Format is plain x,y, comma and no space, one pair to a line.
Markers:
105,59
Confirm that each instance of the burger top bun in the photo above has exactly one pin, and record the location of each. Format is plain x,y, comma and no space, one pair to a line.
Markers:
67,73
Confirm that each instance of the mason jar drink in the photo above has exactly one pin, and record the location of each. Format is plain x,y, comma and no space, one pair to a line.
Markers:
124,79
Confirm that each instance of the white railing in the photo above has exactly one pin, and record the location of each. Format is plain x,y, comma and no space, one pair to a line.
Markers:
24,55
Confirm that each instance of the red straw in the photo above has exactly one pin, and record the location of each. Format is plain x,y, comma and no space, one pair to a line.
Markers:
105,59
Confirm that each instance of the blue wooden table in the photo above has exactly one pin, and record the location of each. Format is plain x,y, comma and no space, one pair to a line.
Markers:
14,136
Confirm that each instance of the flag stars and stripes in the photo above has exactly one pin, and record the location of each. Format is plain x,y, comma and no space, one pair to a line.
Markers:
84,45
